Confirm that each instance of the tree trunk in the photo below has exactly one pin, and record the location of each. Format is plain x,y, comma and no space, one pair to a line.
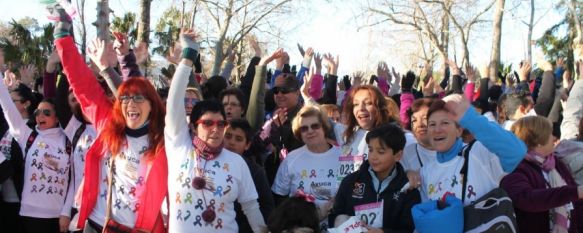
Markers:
102,23
219,57
444,50
530,26
144,23
496,40
83,30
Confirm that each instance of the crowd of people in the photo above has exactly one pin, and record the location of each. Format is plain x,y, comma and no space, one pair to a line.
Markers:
99,148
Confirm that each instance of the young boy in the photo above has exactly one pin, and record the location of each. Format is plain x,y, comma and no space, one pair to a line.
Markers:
238,138
374,192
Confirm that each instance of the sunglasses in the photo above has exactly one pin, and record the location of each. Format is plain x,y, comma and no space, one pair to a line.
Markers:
137,99
191,101
283,90
210,123
46,112
305,128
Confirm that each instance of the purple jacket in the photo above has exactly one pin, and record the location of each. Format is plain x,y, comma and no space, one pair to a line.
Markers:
532,199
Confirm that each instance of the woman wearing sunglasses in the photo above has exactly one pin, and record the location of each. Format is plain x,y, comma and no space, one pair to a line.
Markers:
46,165
125,171
204,178
310,169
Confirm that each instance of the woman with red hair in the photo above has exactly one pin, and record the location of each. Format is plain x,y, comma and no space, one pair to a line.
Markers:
125,171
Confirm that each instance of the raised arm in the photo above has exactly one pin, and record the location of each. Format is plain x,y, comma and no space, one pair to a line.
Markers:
175,112
17,126
126,57
504,144
573,111
93,101
50,75
256,110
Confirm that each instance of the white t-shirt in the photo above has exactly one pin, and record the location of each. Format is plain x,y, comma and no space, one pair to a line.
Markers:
129,178
414,153
79,151
228,179
484,174
314,173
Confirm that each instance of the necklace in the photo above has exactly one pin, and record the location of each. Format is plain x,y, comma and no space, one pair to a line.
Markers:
199,183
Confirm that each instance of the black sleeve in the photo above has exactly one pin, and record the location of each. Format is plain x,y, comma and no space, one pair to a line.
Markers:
456,84
546,95
404,221
62,108
6,170
266,202
247,81
346,82
342,202
329,90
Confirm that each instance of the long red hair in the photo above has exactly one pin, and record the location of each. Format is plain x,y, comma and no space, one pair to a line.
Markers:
380,117
114,133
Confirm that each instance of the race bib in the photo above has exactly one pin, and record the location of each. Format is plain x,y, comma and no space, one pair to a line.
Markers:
371,214
352,225
348,164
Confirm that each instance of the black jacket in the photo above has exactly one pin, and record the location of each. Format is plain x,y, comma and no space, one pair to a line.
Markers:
397,206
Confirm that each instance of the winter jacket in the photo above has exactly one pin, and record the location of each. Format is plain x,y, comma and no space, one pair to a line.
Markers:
533,199
358,189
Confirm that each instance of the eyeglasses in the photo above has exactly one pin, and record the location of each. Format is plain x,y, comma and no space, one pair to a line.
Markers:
283,90
137,99
315,126
210,123
191,101
17,100
46,112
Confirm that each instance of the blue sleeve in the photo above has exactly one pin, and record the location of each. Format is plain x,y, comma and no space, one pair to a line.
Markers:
273,76
559,73
301,73
504,144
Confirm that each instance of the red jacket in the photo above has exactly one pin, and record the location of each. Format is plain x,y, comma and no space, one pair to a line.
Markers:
97,108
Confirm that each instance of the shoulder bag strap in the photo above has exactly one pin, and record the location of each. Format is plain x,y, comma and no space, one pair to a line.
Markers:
466,154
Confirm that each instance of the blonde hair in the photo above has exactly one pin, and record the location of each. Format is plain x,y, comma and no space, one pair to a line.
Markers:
330,109
532,130
309,111
393,110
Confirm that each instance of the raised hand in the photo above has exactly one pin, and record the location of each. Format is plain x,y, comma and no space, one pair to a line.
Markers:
97,52
524,71
318,62
279,53
331,63
428,88
253,42
383,71
301,49
471,73
121,44
174,54
141,53
27,73
455,70
407,82
357,78
305,88
52,62
231,56
10,80
457,105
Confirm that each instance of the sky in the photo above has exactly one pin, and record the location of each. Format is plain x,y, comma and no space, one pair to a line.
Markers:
332,26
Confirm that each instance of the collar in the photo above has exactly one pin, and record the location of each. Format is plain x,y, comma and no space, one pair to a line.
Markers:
136,133
385,182
443,157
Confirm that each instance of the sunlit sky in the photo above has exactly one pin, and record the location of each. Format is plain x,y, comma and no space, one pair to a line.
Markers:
331,26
